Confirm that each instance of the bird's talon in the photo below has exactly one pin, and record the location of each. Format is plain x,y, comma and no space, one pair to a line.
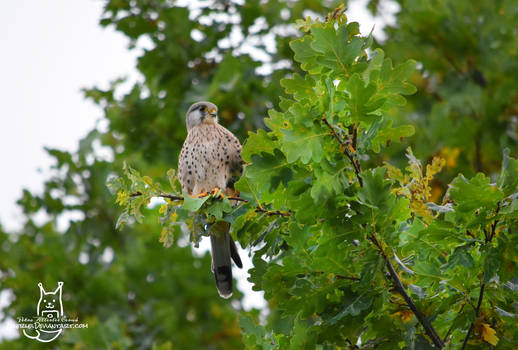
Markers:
217,193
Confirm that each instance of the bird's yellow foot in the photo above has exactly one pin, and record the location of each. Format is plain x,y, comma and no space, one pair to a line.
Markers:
216,192
201,195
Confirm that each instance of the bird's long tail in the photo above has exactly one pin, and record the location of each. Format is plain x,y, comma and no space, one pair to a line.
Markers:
223,249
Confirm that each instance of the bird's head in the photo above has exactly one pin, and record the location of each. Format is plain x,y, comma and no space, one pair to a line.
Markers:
201,113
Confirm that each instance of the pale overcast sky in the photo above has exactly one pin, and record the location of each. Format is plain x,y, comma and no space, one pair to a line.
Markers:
49,50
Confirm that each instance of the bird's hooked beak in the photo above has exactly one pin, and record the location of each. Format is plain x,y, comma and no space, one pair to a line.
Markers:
213,113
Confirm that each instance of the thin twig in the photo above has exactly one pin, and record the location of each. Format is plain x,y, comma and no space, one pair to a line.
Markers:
489,238
493,226
355,164
355,136
428,327
452,326
341,277
272,212
454,64
477,311
470,234
486,235
352,278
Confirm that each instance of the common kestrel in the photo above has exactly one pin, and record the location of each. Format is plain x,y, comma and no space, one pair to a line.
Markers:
209,157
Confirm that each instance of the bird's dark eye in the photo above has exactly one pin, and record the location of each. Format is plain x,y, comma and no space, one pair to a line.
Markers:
203,108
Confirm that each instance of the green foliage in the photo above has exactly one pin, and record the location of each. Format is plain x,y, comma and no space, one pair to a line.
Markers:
356,243
199,213
327,229
468,80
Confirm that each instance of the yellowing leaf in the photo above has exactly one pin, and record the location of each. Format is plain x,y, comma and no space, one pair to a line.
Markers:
415,185
304,24
163,234
147,180
435,167
489,334
394,173
122,197
405,315
421,209
450,156
167,236
435,193
162,209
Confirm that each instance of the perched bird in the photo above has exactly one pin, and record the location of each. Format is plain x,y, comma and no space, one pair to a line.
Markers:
209,157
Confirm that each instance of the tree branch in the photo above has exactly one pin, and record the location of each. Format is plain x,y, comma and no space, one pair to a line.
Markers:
452,326
348,152
493,226
180,198
454,64
477,312
355,136
428,327
341,277
489,238
237,199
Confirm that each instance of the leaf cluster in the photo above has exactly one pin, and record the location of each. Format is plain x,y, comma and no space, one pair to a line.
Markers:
343,253
356,242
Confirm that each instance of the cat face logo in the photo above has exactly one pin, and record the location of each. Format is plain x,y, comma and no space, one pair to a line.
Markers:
50,306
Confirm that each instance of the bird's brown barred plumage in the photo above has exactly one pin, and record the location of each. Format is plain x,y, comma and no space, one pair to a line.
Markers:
209,157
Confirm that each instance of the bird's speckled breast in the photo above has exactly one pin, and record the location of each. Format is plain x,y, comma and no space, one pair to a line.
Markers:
207,157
